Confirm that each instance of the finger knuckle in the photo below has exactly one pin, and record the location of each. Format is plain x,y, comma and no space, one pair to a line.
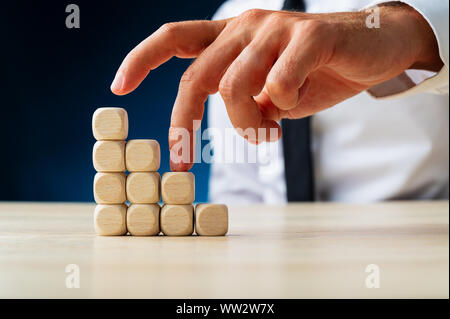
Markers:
188,78
275,20
170,29
227,88
194,78
251,14
313,28
279,86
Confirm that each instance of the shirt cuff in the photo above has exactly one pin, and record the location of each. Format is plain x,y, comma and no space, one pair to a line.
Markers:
418,81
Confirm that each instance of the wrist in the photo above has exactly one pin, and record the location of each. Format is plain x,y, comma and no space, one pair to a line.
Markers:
415,35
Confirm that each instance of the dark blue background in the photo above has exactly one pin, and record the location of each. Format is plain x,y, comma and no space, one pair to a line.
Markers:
55,79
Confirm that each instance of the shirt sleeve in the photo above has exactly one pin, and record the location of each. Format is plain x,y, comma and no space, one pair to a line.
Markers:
419,81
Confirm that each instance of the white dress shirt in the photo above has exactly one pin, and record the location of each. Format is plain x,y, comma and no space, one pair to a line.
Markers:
391,142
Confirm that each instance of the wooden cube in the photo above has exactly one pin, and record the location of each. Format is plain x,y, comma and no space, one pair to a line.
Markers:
110,123
142,155
211,219
110,220
177,220
178,188
143,219
109,156
109,188
144,187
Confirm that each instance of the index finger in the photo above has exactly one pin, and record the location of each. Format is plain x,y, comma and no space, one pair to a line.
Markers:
185,39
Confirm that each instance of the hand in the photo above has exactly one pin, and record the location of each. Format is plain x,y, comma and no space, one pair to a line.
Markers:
269,65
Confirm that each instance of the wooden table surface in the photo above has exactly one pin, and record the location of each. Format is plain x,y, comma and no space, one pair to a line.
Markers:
293,251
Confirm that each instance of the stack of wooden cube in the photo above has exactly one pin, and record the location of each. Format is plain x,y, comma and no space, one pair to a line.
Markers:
142,158
112,157
178,194
110,128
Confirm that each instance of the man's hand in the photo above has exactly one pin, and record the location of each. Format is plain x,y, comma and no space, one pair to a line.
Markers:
269,65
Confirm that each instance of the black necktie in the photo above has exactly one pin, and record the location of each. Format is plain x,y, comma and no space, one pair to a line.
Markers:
294,5
297,147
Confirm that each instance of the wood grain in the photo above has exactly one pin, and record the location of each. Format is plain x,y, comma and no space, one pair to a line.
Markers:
211,219
109,156
294,251
110,123
144,187
143,219
143,155
109,188
178,188
110,220
177,220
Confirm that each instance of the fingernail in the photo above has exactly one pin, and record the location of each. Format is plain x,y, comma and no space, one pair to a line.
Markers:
117,84
180,167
